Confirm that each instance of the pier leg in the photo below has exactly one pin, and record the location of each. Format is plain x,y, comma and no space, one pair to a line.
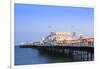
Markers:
87,56
63,50
71,53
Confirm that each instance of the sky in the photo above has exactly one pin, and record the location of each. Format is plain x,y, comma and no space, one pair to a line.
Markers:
34,22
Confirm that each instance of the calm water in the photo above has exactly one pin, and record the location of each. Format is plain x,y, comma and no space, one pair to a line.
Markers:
25,56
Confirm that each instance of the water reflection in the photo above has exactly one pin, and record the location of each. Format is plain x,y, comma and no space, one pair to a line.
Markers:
25,56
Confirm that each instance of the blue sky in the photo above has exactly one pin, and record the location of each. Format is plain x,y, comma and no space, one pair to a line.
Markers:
32,22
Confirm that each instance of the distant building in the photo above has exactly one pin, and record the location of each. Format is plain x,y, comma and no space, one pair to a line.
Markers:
60,38
36,43
88,41
67,38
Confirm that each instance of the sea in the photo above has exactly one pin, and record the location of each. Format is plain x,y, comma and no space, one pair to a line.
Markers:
28,56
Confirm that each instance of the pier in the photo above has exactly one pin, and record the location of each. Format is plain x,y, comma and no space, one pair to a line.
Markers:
65,43
86,52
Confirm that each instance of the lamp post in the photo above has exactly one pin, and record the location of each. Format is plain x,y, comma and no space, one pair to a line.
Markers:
81,42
